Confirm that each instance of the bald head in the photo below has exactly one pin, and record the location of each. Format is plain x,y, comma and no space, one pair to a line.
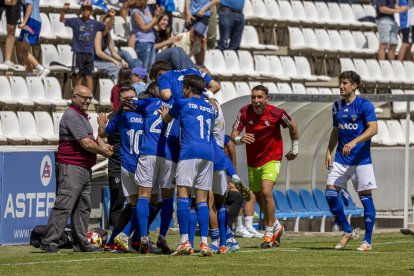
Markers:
81,97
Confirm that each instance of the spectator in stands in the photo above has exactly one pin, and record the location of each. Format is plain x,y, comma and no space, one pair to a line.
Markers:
84,33
194,42
124,79
212,28
163,37
75,156
231,24
106,56
138,79
407,32
29,35
198,10
387,27
142,25
12,8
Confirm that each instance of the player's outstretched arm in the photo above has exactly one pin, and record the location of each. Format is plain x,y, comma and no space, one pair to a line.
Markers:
370,132
333,140
213,86
294,137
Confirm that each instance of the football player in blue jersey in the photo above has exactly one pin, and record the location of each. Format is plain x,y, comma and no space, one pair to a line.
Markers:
130,125
195,165
157,164
171,81
354,124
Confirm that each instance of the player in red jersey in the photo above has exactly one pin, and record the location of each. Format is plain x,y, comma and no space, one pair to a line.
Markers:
264,149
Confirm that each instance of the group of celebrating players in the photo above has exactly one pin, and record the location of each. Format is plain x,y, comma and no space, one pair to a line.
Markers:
173,139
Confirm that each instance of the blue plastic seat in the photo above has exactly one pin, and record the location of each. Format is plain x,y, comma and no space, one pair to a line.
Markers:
320,200
351,208
309,203
297,205
283,209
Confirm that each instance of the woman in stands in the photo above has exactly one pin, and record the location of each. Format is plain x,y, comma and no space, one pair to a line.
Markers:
163,37
142,23
107,58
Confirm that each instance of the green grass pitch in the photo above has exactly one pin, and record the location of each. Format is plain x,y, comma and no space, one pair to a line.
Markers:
300,254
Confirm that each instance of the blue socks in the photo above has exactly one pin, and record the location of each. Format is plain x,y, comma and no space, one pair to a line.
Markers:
143,214
183,214
192,225
134,219
203,220
337,209
166,215
369,216
214,234
222,222
128,229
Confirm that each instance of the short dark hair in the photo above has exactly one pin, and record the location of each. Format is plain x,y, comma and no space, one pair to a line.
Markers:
153,89
158,66
125,89
352,76
195,83
124,77
261,88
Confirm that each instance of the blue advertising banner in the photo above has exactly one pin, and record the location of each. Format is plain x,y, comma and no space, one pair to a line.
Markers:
28,186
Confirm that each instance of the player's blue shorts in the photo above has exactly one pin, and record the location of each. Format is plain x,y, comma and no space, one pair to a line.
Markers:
219,158
32,35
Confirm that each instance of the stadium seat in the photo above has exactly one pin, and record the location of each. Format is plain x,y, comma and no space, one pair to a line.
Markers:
350,209
57,116
369,10
323,13
348,42
375,71
285,211
20,92
311,40
310,205
53,91
242,88
11,128
228,91
93,119
46,31
28,128
272,10
276,68
362,69
3,139
120,29
289,67
387,71
259,10
361,43
297,205
3,28
247,64
335,40
303,69
396,132
105,88
359,13
50,54
346,64
232,62
383,135
271,86
298,88
398,107
37,91
297,40
44,4
400,73
325,91
312,91
320,200
6,97
45,127
311,12
286,12
411,134
65,55
248,11
324,41
253,84
219,97
409,68
348,15
214,61
130,51
335,14
59,28
284,88
262,66
299,11
250,40
372,39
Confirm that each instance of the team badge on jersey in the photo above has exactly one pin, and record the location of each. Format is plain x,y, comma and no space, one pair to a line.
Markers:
354,117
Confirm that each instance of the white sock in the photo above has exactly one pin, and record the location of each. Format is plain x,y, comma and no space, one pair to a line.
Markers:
204,240
239,221
235,178
184,238
40,67
276,223
269,231
248,221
